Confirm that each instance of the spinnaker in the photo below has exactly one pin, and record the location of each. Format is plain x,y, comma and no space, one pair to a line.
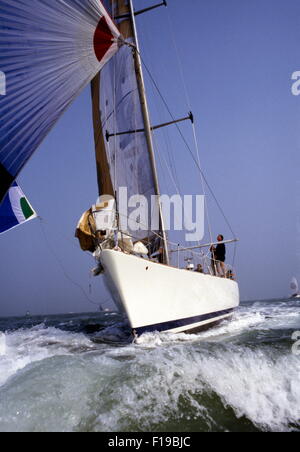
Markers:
15,209
50,50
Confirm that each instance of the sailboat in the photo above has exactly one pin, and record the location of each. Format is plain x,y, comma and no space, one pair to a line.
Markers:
294,288
153,294
58,48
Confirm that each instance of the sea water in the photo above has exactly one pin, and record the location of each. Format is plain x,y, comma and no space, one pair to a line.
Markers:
83,373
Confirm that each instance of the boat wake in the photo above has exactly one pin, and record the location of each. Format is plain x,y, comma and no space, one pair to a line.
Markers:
239,376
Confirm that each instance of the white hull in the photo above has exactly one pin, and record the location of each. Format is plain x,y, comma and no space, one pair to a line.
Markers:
156,297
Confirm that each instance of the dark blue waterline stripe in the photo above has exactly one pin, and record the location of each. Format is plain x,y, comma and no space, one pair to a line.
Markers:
181,322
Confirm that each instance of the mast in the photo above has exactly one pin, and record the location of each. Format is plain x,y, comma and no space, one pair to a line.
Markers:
103,174
148,130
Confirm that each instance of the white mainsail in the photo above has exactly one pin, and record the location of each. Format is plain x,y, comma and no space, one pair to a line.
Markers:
294,287
123,158
120,109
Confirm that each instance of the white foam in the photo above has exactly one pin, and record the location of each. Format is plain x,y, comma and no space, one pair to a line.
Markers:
240,322
136,387
149,391
255,383
2,344
152,340
23,347
139,386
277,315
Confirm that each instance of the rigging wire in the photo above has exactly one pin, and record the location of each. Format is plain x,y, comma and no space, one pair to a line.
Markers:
189,105
115,122
171,166
180,65
58,260
203,184
195,159
162,160
165,134
189,149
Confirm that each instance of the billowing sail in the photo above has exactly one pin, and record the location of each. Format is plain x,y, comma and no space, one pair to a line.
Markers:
123,160
50,50
294,286
15,209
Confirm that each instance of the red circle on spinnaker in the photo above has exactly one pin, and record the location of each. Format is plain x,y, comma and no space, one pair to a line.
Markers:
102,39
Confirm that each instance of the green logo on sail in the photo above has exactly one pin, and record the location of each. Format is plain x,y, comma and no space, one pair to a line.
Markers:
26,209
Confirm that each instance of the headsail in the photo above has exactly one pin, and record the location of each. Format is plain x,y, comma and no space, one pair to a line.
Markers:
50,50
122,161
15,209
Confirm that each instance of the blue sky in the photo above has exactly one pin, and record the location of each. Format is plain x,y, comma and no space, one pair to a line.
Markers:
237,57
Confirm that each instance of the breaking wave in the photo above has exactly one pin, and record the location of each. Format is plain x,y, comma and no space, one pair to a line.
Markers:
240,376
